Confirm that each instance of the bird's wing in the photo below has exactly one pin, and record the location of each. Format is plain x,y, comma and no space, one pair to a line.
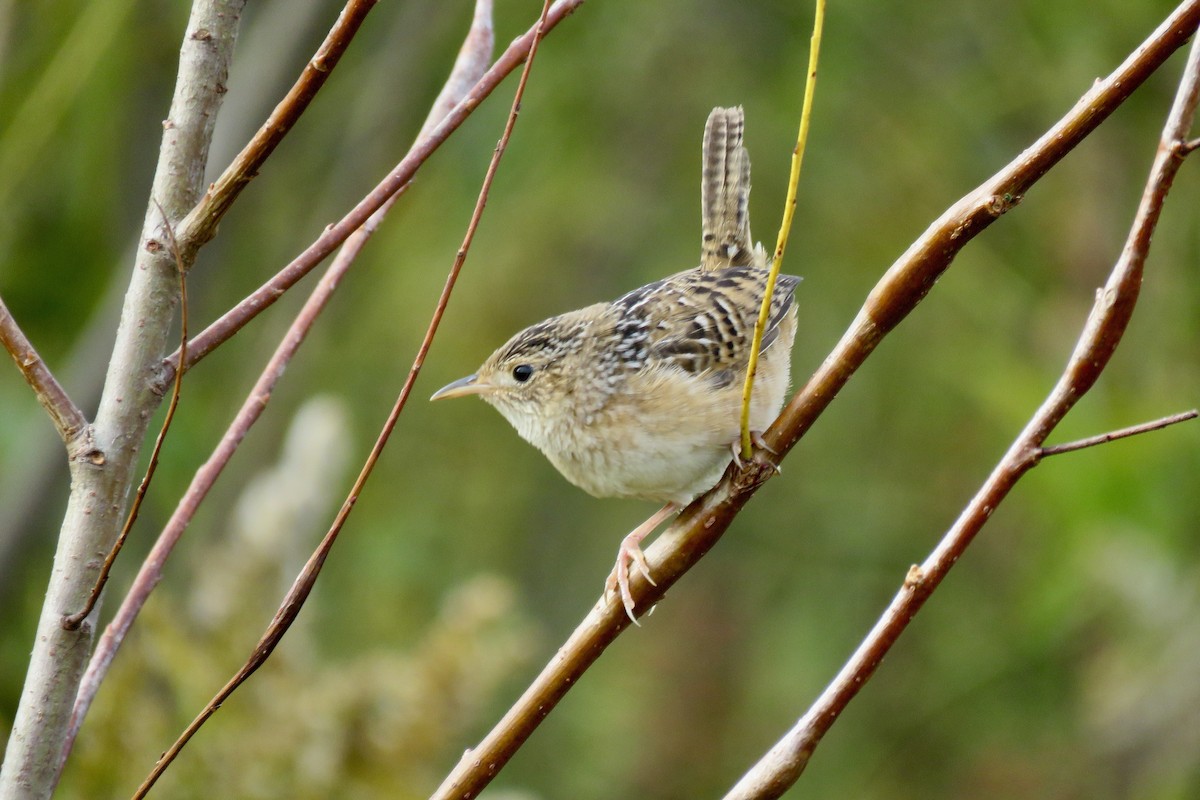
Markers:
702,322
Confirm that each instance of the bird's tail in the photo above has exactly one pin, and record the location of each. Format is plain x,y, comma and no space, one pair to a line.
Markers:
725,195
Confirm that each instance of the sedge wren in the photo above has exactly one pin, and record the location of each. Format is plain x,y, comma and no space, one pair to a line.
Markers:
641,397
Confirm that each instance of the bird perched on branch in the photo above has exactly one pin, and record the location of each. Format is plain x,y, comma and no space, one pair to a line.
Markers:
641,397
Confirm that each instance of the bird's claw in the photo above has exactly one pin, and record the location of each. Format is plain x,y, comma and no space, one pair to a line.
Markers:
630,553
756,438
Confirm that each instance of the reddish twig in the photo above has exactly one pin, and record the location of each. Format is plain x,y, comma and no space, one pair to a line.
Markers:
200,225
69,421
701,525
1112,436
297,595
1102,332
471,63
237,317
302,587
72,622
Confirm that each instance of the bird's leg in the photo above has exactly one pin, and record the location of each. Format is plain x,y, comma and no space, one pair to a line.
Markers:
630,552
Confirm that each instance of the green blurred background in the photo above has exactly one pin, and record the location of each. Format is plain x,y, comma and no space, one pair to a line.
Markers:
1060,660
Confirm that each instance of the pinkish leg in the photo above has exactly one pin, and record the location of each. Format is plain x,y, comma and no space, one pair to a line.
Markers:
630,552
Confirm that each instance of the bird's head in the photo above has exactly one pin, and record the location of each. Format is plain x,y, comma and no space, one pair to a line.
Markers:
537,375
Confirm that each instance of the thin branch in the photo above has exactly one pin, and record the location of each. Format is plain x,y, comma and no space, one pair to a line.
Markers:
69,421
785,227
100,485
1112,436
1102,331
700,526
1189,146
302,587
200,225
72,622
472,61
237,317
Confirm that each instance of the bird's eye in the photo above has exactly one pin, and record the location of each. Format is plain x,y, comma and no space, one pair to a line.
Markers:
522,373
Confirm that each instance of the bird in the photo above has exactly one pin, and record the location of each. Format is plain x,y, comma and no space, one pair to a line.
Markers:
641,397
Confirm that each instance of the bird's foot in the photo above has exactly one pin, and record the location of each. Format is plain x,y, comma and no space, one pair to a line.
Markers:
630,553
756,438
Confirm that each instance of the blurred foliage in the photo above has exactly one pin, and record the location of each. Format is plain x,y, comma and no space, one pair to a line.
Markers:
318,723
1059,660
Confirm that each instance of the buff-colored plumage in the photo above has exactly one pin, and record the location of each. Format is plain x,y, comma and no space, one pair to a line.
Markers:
641,397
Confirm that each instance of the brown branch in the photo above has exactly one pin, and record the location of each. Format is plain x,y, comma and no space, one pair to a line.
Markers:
72,622
472,61
69,421
1112,436
237,317
701,525
1102,331
302,587
200,225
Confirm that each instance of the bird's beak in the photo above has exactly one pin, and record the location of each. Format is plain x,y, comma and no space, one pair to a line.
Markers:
461,388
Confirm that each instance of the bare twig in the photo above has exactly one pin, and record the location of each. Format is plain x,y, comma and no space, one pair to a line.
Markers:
237,317
73,621
100,484
701,525
1112,436
200,225
472,61
302,587
68,420
1102,331
201,222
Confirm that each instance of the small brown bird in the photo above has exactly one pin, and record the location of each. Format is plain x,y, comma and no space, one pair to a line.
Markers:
641,397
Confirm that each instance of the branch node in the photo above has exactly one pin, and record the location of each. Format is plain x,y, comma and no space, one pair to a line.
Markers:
1000,204
915,577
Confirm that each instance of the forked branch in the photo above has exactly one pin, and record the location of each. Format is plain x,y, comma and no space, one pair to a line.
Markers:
701,525
68,420
470,65
303,585
1112,436
333,236
1102,331
200,225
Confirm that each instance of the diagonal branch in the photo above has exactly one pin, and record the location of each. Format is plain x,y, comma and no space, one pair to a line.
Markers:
262,298
1112,436
1102,332
72,426
289,609
200,225
701,525
471,63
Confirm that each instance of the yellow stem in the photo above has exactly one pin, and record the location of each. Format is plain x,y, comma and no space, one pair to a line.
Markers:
789,211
